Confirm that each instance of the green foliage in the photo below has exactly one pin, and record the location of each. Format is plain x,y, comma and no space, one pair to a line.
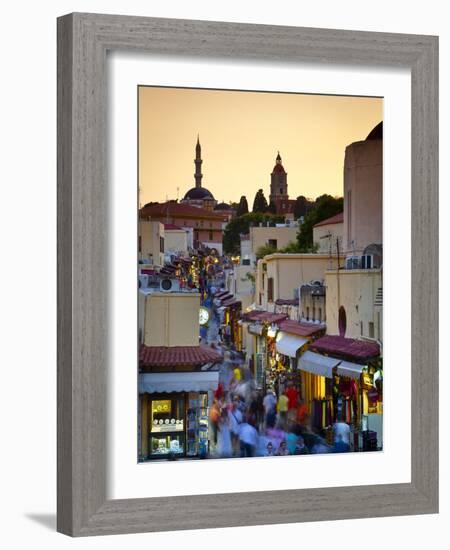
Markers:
250,277
241,226
265,251
302,206
290,248
242,206
260,202
324,207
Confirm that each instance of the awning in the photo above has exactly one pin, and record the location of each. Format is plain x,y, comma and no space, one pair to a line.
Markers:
351,370
167,382
287,344
317,364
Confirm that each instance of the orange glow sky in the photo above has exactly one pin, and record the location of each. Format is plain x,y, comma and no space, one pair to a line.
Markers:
240,134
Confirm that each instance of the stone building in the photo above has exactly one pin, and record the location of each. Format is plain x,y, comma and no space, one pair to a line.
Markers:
279,189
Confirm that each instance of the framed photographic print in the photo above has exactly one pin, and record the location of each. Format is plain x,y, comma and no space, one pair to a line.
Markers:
247,280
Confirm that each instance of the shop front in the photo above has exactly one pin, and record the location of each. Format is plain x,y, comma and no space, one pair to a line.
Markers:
352,393
174,413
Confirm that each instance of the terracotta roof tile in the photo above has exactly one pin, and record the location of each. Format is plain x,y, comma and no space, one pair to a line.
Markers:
161,356
338,218
175,209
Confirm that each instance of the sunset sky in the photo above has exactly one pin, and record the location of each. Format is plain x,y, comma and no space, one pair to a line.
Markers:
240,134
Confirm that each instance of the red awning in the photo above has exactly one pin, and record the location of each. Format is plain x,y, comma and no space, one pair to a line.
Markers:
161,356
264,316
339,346
300,329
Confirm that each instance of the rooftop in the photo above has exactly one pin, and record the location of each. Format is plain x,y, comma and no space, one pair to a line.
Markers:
337,218
176,210
161,356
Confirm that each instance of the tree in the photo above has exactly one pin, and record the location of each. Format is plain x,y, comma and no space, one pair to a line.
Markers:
272,208
241,226
324,207
302,206
260,202
265,251
242,206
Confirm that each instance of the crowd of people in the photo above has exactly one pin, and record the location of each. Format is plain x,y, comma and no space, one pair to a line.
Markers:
246,423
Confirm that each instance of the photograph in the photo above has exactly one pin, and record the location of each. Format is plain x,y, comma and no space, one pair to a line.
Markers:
260,297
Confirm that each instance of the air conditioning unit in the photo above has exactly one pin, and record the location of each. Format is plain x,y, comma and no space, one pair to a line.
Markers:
367,261
352,262
169,285
143,280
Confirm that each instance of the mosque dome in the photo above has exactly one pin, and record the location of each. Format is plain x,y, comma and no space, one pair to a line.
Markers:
198,193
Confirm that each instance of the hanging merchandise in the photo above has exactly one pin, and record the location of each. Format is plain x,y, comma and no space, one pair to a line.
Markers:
322,413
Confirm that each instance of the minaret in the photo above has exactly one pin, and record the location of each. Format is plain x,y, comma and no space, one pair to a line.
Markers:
198,164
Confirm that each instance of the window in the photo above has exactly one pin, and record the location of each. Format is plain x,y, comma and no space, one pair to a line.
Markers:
161,244
281,190
270,289
320,315
371,330
313,313
272,243
361,327
210,235
140,243
307,313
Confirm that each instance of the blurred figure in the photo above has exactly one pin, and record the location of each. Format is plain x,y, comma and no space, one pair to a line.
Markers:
269,449
275,435
224,447
282,449
320,446
214,414
301,448
341,433
248,437
282,409
235,416
292,395
341,446
269,404
302,413
291,441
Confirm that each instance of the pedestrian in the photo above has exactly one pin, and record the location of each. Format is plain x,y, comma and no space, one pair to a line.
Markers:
282,409
291,441
282,449
248,437
214,415
235,416
269,404
301,448
292,395
224,446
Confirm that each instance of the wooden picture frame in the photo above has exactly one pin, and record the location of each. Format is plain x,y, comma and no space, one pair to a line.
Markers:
83,41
